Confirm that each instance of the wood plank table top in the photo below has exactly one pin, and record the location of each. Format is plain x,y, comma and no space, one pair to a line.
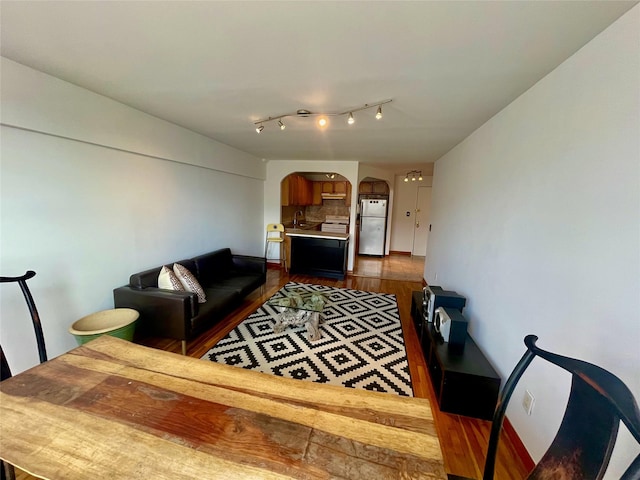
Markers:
113,409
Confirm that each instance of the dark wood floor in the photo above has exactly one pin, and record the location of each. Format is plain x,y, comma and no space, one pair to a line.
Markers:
463,439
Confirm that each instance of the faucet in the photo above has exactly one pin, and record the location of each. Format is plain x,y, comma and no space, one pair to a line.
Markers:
295,217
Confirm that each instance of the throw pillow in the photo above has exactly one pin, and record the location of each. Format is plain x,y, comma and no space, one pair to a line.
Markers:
168,280
189,282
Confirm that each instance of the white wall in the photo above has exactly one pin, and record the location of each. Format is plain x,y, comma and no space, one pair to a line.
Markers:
119,194
405,201
536,220
278,169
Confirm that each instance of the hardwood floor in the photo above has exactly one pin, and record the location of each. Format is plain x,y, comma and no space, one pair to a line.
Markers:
463,439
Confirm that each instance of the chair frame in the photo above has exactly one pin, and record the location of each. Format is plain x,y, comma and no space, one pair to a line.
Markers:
279,228
7,471
591,385
35,317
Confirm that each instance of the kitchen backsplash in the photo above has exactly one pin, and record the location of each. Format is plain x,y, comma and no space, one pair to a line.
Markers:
315,213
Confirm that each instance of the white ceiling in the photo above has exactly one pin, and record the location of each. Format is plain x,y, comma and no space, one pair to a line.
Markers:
216,67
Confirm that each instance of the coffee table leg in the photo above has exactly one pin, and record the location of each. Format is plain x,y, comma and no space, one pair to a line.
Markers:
279,326
313,331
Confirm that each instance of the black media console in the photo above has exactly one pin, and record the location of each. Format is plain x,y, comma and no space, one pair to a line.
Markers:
464,383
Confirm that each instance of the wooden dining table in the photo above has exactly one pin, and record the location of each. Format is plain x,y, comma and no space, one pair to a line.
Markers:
113,409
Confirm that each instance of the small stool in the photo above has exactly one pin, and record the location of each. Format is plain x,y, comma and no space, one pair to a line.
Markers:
277,228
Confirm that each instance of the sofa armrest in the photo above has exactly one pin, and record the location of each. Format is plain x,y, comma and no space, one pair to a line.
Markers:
250,264
163,313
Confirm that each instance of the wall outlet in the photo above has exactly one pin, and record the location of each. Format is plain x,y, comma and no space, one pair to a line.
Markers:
528,401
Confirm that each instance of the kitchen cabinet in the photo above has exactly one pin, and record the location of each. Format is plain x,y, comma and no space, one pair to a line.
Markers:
317,193
323,255
380,188
296,191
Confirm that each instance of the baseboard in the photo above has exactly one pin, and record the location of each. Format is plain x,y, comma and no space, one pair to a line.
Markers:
519,447
397,252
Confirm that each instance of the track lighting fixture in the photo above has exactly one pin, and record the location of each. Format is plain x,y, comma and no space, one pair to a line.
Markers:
413,175
330,175
323,118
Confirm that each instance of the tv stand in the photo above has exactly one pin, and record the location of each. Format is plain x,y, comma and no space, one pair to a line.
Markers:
465,383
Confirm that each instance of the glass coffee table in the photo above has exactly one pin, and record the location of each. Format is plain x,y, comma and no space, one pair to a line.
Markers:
298,307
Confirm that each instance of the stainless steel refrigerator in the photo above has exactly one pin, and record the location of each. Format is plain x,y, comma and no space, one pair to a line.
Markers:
373,222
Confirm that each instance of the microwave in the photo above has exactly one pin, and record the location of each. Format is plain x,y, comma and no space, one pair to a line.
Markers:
434,296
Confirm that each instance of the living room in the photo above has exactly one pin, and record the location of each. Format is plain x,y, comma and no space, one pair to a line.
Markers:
535,214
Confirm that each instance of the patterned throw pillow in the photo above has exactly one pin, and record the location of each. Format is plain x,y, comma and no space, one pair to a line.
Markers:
189,282
168,280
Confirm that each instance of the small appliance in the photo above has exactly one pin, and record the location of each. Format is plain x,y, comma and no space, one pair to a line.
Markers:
434,296
452,326
335,224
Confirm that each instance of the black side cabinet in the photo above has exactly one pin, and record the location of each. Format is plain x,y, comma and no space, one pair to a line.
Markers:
324,257
464,383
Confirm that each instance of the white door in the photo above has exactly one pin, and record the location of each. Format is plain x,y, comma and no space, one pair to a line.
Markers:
422,217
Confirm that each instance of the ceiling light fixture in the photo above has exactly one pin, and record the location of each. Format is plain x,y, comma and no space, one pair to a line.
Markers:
413,175
330,175
323,120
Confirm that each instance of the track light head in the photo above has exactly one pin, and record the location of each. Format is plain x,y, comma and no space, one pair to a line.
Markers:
413,175
379,112
260,128
351,120
282,127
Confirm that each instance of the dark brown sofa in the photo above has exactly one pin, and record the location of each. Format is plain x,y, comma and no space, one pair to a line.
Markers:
225,278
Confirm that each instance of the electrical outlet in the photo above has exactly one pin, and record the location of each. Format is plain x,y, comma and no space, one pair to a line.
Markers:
527,402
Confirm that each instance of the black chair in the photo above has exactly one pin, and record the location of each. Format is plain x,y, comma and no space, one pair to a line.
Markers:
6,470
582,447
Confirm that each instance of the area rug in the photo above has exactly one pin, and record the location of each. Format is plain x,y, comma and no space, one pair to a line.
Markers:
362,345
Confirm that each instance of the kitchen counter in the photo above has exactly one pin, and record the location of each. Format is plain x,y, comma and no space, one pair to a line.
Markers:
299,232
318,253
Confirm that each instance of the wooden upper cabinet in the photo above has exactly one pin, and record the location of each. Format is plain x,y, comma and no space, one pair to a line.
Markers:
317,193
347,199
365,187
296,191
339,187
373,187
381,187
285,192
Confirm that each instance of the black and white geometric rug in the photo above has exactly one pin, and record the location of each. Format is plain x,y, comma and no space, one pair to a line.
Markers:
362,345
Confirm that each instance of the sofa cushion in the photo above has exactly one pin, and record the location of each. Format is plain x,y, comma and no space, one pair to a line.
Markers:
168,280
189,282
242,283
220,301
214,266
149,278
